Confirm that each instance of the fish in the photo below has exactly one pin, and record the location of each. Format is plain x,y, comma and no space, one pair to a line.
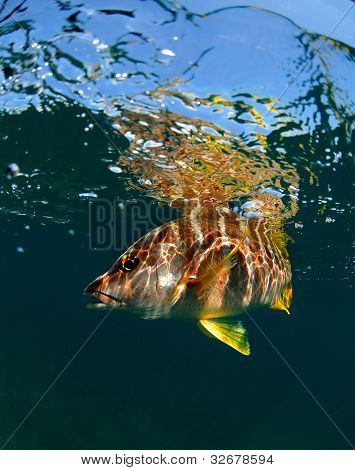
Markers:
216,261
209,266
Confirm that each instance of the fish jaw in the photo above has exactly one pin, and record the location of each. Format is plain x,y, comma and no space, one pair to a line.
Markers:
97,289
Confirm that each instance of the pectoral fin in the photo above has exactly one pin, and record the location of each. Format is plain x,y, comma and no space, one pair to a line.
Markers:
283,300
233,334
218,268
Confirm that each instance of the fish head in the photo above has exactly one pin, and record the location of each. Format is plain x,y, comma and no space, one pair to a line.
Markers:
146,275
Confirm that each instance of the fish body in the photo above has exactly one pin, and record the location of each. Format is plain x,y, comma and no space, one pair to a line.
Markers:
208,266
213,263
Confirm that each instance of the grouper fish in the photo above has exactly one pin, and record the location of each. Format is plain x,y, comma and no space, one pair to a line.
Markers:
212,264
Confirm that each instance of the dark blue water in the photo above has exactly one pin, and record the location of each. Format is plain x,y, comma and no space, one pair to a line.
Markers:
66,70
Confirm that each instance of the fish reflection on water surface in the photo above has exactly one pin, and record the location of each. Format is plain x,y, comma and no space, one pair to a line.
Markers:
213,263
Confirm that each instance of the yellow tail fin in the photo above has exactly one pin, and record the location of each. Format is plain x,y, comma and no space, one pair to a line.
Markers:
283,301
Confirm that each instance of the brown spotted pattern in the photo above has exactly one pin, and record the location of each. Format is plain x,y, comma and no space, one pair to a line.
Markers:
175,274
211,262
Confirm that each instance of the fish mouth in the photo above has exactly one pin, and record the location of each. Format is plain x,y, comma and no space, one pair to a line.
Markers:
103,297
109,296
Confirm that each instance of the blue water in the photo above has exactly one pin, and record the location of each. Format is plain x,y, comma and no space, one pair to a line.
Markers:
66,71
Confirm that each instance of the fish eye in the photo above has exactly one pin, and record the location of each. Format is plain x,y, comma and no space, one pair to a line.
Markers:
127,263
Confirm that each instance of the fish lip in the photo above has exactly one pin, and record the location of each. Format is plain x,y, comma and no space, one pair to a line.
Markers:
96,293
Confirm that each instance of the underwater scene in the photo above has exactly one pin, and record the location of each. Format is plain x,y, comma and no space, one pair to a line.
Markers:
189,162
